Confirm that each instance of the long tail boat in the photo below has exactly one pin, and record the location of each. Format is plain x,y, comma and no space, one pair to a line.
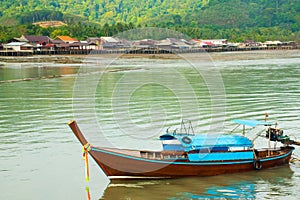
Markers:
188,154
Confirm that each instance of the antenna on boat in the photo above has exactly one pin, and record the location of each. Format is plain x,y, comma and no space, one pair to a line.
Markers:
182,126
187,129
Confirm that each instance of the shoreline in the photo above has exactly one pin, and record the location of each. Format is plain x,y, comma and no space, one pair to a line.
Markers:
220,56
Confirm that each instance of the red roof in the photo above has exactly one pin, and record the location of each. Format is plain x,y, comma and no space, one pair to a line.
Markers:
208,43
66,39
49,45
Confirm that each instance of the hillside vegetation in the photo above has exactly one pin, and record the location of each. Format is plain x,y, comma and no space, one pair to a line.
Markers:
233,19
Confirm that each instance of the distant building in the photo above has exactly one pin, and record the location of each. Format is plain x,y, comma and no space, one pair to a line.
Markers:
109,42
202,43
47,47
272,43
145,43
18,46
290,43
93,39
173,43
93,42
34,40
66,43
250,43
164,44
66,39
216,42
37,42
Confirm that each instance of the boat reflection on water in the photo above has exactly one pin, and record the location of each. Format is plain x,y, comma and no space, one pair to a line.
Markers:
251,185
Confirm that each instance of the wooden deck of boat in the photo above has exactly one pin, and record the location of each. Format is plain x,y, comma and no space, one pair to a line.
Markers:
181,155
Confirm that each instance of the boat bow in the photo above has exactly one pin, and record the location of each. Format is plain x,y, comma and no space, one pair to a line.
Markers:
77,132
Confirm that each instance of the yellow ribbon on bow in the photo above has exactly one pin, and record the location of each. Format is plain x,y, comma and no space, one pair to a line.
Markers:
85,150
88,193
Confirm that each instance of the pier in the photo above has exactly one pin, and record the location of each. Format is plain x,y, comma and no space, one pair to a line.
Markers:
140,51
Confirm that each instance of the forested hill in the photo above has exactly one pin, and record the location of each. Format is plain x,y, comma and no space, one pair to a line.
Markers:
229,13
190,14
103,11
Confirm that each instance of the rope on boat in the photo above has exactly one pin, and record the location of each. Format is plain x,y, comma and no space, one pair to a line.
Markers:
85,152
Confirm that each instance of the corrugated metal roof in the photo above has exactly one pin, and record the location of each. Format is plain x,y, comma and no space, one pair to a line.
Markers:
16,44
66,39
33,38
109,39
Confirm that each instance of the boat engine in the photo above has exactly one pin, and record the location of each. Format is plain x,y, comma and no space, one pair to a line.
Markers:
276,134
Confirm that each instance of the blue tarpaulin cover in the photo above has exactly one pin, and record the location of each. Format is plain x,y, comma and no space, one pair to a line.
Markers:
216,140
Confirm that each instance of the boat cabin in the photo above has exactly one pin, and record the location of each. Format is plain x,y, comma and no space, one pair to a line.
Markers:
211,147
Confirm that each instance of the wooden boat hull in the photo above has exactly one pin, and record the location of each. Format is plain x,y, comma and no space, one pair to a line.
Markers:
116,163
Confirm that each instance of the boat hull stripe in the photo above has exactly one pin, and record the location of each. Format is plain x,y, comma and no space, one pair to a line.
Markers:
189,163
